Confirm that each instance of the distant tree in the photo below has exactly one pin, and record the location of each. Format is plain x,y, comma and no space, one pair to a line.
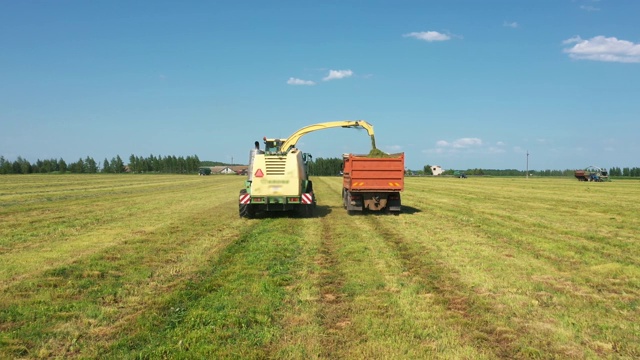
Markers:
91,166
325,167
116,166
427,170
37,167
181,165
193,164
25,166
106,166
133,164
48,166
213,163
62,166
155,163
5,166
77,167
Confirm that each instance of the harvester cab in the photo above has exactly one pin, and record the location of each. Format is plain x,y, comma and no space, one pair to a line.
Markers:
272,146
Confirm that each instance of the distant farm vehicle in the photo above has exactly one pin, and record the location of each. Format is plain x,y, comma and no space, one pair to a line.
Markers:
204,171
460,174
592,173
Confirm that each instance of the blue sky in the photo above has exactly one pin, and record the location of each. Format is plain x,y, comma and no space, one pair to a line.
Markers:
460,84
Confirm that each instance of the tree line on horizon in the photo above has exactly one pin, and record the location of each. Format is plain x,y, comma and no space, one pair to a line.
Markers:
172,164
614,171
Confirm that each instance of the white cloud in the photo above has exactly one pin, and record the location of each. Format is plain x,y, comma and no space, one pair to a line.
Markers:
510,24
466,146
572,40
295,81
337,74
458,145
602,48
461,143
429,36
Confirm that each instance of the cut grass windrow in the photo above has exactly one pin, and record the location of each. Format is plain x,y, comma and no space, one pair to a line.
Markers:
227,310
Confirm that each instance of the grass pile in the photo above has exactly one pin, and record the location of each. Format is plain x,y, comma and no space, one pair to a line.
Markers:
377,153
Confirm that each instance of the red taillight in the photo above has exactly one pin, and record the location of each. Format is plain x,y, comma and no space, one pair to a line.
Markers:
258,173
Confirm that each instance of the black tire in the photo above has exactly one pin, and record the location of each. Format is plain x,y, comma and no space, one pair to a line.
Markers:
245,210
344,198
307,210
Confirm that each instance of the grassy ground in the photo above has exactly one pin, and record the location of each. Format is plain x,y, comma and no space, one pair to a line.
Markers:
162,267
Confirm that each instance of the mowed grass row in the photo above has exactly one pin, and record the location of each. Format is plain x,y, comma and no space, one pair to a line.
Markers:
475,268
535,268
80,267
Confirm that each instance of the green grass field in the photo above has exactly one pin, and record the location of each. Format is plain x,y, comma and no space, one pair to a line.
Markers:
162,267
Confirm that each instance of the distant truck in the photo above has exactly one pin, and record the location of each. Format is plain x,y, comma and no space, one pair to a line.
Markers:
372,183
592,173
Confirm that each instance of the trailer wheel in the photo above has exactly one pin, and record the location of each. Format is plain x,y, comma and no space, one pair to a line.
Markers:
246,210
344,198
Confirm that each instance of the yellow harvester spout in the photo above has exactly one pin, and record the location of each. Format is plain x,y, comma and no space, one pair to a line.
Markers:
291,141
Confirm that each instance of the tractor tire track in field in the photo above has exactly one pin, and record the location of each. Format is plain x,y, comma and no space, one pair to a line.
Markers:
333,307
236,296
467,310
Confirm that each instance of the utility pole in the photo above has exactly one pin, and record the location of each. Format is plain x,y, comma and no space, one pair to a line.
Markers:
527,164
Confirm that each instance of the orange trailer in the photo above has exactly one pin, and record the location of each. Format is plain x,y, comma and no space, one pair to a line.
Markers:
372,183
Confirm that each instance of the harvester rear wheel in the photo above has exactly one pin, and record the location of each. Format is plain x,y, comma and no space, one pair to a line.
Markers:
307,210
246,210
